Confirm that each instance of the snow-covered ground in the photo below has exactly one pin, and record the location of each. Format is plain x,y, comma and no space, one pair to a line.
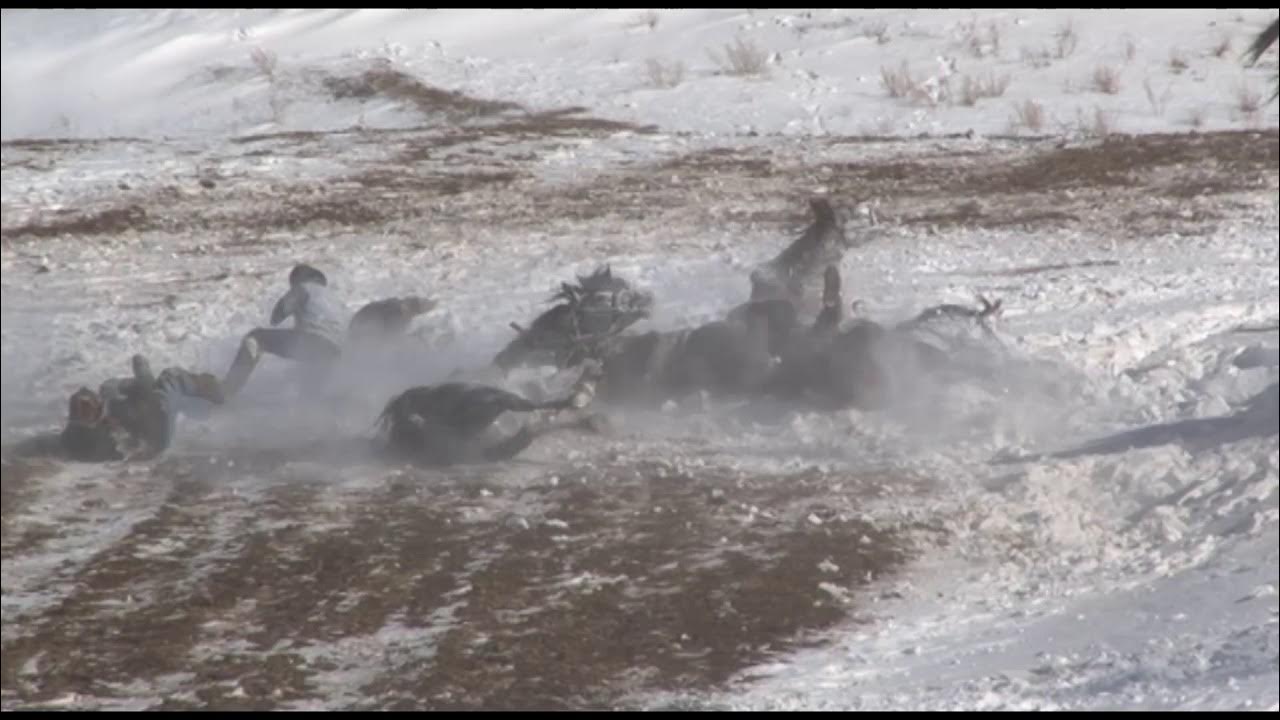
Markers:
1138,275
181,72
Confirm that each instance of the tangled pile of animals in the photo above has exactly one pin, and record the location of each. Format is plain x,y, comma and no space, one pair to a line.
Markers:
789,342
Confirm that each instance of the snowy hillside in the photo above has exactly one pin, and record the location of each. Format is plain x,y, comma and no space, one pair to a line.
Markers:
817,72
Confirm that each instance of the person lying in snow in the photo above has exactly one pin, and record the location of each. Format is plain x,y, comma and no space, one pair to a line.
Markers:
135,417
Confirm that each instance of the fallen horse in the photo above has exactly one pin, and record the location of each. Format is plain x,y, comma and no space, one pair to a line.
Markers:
447,424
598,307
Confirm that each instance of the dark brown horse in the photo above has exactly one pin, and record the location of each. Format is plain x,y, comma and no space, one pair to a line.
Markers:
724,358
735,357
446,424
586,314
864,364
789,273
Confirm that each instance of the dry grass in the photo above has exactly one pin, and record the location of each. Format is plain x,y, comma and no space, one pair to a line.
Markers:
1097,124
1130,50
1106,80
897,83
741,58
1159,101
664,75
385,81
1222,47
1247,101
1029,114
974,89
980,40
1065,40
266,61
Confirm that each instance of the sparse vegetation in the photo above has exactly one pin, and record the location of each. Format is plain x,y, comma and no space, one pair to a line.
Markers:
974,89
980,41
935,90
1106,80
1197,117
1222,47
266,62
664,75
1065,40
1130,50
1159,101
1247,101
1177,61
742,57
383,80
1029,114
897,83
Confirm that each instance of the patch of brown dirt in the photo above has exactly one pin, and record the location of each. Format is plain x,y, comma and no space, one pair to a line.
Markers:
650,585
1119,161
109,221
721,161
436,183
17,475
1030,185
61,143
394,84
1026,184
641,577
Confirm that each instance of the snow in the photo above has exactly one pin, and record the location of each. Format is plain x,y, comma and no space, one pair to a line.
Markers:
184,72
1144,578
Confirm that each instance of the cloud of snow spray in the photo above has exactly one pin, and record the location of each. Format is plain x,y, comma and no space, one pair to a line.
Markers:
28,398
459,338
